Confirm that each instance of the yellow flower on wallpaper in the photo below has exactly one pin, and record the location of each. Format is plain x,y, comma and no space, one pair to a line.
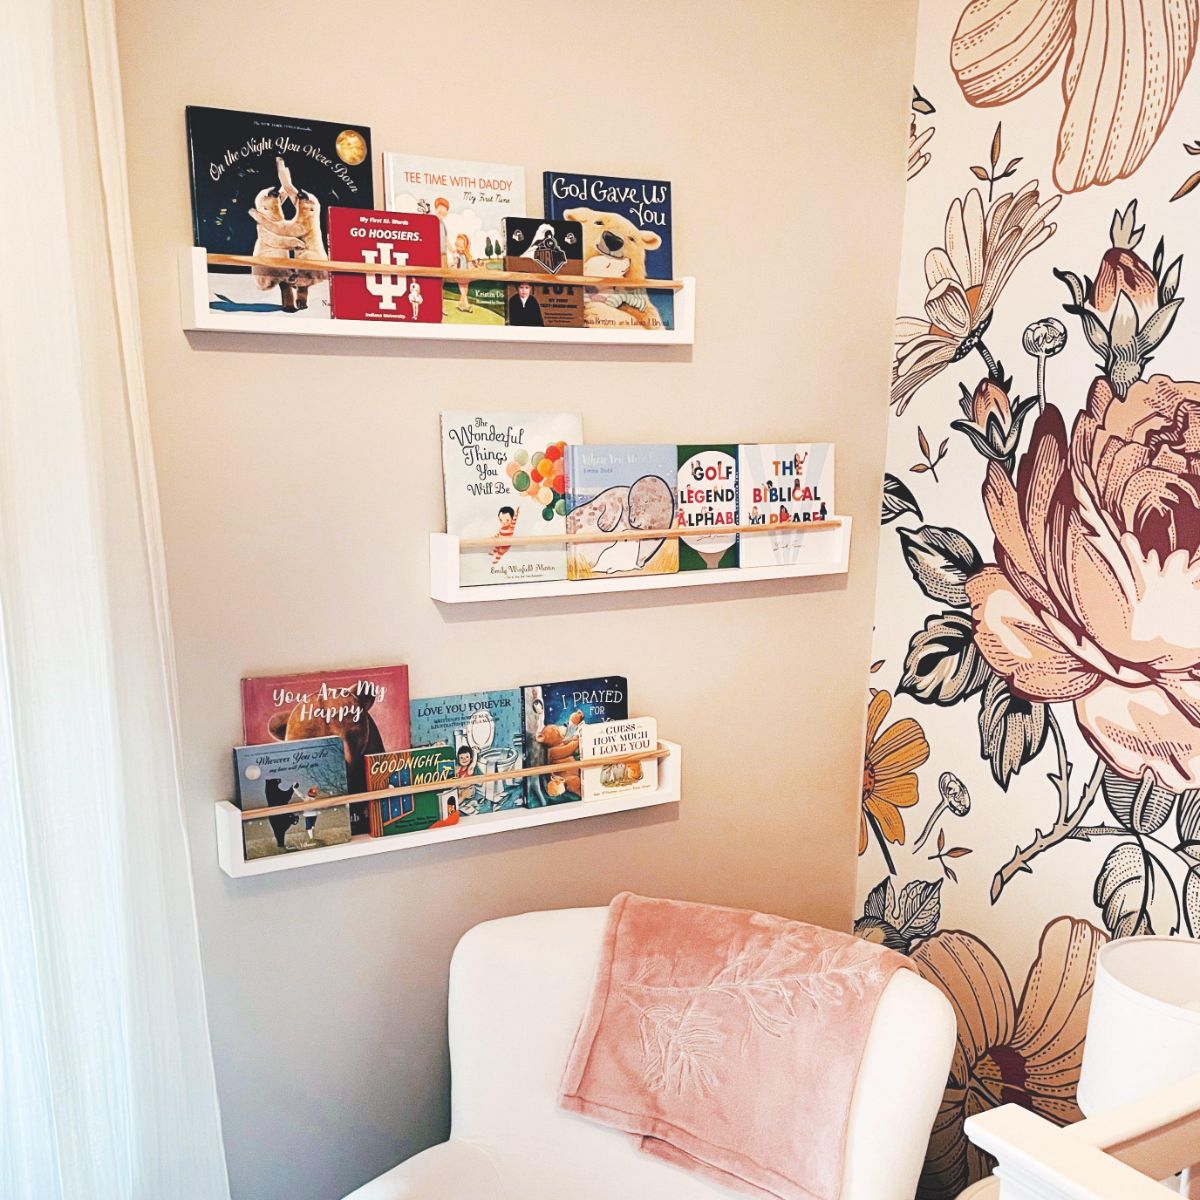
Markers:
965,277
1026,1053
889,782
1127,61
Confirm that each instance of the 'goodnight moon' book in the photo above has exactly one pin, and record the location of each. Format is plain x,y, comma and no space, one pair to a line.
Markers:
504,478
708,491
413,811
262,185
785,487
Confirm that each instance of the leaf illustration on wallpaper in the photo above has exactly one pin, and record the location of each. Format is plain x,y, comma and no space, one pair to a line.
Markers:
898,923
1126,63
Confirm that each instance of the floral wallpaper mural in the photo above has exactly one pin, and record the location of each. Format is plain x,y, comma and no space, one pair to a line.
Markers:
1031,771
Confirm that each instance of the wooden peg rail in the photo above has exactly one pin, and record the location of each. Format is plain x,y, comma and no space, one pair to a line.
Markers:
325,267
445,785
645,535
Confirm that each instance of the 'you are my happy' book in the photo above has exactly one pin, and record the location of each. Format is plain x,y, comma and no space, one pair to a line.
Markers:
708,494
504,478
785,487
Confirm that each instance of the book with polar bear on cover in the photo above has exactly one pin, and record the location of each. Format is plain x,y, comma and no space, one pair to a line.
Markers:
626,235
470,201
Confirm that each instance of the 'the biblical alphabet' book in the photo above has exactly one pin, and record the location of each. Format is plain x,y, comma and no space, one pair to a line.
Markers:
621,490
540,247
504,478
555,714
610,738
484,730
276,774
627,236
263,185
391,240
786,487
708,490
415,810
470,200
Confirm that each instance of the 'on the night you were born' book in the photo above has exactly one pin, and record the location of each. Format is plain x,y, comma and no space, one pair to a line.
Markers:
626,236
504,478
708,492
263,185
547,248
391,240
784,487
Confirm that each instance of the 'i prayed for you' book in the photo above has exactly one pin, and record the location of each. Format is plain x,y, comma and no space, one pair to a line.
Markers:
470,201
503,475
784,487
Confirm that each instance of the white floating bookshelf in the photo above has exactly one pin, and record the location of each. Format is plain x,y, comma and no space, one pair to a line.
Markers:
229,826
198,317
830,555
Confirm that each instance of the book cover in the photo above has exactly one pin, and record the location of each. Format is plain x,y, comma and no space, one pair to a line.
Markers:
275,774
503,475
554,715
609,738
627,236
417,810
484,730
263,185
470,201
708,492
540,247
786,487
621,489
366,708
391,240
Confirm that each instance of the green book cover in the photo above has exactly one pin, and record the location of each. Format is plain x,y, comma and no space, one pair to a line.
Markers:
708,503
417,810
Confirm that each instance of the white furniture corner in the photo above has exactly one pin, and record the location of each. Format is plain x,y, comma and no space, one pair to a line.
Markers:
518,988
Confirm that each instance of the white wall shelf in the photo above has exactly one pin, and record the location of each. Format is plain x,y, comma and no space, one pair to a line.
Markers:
198,317
831,557
229,826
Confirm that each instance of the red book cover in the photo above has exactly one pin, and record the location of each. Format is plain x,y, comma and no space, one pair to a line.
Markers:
366,707
390,239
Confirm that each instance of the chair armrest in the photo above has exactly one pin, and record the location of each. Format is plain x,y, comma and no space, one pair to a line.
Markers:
455,1170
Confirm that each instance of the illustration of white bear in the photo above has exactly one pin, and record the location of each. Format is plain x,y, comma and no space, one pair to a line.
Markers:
615,248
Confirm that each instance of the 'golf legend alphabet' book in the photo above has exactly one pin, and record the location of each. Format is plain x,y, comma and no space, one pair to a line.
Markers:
708,494
786,487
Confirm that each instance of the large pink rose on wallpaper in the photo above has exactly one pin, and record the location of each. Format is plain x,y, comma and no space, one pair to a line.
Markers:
1095,595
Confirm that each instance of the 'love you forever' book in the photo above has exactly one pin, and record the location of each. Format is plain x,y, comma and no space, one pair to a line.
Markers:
470,201
784,487
626,236
391,240
550,248
263,185
708,494
504,478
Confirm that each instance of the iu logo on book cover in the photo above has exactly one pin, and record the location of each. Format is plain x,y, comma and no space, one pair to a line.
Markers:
390,240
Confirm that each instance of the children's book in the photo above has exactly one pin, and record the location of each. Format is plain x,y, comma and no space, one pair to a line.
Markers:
470,201
391,240
503,475
609,738
415,810
786,487
626,236
708,490
365,708
540,247
622,489
276,774
263,185
484,730
555,713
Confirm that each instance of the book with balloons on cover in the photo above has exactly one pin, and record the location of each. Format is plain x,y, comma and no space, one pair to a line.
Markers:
503,475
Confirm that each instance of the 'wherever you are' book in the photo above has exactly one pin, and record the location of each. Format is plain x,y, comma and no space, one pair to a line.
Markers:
708,495
504,478
390,240
413,811
470,201
622,490
546,248
785,487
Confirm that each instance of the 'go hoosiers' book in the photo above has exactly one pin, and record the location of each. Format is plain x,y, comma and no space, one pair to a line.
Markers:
391,240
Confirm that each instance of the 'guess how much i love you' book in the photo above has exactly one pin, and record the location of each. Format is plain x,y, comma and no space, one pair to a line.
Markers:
391,240
784,487
608,739
503,475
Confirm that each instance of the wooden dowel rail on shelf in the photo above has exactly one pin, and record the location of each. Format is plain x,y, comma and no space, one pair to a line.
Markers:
442,785
325,267
646,535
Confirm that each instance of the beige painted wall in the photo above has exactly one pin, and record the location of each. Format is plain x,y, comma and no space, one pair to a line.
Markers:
298,481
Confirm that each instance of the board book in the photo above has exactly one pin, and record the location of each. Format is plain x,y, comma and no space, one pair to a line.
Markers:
610,738
417,810
536,246
708,491
785,486
391,240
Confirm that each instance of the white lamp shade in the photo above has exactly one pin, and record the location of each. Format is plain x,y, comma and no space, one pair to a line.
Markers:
1144,1027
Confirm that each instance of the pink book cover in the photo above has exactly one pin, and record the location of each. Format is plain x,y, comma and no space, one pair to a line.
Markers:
366,707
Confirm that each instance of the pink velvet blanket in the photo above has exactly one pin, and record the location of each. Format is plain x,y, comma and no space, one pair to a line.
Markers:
728,1042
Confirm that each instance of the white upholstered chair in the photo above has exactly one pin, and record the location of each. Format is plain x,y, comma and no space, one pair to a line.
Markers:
518,988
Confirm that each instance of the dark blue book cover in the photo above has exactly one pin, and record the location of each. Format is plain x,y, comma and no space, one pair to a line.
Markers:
554,716
626,235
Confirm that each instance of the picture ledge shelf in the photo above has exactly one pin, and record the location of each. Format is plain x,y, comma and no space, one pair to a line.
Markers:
445,583
198,317
229,818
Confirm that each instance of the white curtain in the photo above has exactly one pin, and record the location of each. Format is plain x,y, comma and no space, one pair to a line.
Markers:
106,1079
